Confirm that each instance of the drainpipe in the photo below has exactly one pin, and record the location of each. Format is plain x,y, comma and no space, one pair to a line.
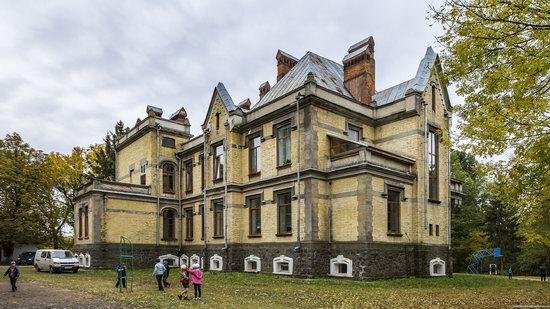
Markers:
157,126
225,152
204,207
179,206
449,210
299,96
426,167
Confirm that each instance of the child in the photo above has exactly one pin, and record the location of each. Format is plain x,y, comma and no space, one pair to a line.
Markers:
166,274
510,273
184,282
120,276
196,278
13,273
159,272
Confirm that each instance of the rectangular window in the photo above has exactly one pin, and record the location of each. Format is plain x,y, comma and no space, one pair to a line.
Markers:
355,133
283,145
201,160
131,172
203,231
218,162
188,176
142,178
255,155
168,142
80,222
255,215
218,219
284,216
433,166
394,211
431,229
437,230
168,178
86,231
433,98
189,223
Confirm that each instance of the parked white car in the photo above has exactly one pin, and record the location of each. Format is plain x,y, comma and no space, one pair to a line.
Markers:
55,260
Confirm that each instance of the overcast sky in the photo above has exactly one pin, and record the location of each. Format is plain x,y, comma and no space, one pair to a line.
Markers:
70,69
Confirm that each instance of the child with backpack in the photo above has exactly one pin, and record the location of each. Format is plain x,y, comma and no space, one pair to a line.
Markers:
184,282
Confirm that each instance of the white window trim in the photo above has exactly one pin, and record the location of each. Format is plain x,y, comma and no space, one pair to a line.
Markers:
195,258
283,259
441,263
87,260
81,260
170,257
216,258
341,260
184,260
252,258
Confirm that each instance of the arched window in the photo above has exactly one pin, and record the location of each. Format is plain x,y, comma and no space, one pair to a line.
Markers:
169,224
168,184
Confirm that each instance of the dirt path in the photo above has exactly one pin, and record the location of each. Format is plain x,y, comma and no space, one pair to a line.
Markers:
37,295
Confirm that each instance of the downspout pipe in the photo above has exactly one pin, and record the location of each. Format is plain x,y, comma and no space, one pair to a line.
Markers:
225,154
299,96
449,210
426,163
205,173
179,206
157,126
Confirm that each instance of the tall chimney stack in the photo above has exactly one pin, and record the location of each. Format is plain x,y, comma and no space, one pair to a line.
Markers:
285,62
359,67
264,88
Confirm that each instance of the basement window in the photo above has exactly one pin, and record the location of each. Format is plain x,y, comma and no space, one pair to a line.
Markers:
283,265
252,264
184,260
195,259
216,262
341,267
172,260
437,267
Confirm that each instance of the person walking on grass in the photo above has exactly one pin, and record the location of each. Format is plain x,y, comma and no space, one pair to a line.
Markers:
543,272
159,273
510,272
184,282
196,278
166,274
120,276
13,274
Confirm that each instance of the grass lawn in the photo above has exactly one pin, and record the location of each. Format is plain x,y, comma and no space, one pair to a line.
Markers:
240,290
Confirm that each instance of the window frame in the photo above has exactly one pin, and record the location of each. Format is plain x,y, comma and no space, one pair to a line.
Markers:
393,211
217,166
86,223
203,164
169,228
433,160
189,223
188,175
437,230
168,180
277,128
357,128
254,155
431,229
203,231
288,209
433,98
142,173
80,232
257,209
171,144
218,213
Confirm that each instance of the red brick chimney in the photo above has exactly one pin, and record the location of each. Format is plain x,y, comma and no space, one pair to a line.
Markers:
359,70
264,88
285,62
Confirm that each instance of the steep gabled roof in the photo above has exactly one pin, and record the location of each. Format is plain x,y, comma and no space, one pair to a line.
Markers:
225,98
328,74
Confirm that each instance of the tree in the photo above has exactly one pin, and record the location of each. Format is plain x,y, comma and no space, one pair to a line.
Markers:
502,229
101,157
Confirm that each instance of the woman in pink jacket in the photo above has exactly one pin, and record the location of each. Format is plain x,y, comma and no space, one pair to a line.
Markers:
196,278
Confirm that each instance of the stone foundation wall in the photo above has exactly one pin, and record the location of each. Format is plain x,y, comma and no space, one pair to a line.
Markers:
370,260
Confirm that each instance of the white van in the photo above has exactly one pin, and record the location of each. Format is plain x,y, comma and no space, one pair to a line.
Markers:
55,260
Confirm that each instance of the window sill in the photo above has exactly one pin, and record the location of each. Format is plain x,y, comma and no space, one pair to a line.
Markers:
217,237
255,236
188,239
286,165
283,235
394,234
218,180
434,201
169,239
254,174
80,238
87,237
167,146
168,192
188,191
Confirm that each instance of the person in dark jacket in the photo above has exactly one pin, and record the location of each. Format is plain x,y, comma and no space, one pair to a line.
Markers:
166,274
13,274
543,272
121,276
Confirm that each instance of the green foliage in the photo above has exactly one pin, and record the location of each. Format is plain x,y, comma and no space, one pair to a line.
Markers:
101,157
501,227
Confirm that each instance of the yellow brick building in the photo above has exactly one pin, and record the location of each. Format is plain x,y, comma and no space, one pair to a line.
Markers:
323,175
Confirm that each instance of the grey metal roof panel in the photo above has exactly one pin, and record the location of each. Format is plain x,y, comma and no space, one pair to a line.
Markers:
226,98
328,74
424,70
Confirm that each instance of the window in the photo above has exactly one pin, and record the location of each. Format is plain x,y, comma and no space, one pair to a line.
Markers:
168,178
131,172
433,166
201,209
80,222
201,160
283,145
284,216
218,219
218,162
341,267
437,267
142,178
252,263
393,211
340,146
216,262
168,142
188,176
433,98
255,215
283,265
217,121
86,231
437,230
168,224
355,133
431,229
255,155
189,223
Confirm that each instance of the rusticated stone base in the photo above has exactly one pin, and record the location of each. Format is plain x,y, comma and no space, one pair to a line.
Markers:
370,260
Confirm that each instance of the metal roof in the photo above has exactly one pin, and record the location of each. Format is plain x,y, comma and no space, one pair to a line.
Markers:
328,74
156,110
226,98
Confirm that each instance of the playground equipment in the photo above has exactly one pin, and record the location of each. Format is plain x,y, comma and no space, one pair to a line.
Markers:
126,257
476,260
